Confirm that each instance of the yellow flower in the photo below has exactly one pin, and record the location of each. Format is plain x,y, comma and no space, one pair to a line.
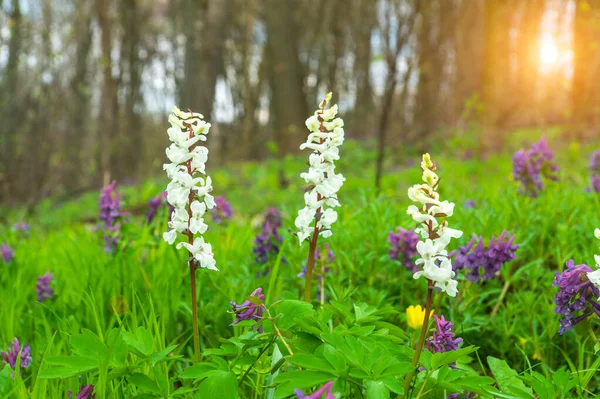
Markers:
415,316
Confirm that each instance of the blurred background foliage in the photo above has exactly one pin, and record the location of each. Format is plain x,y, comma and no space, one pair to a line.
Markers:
86,85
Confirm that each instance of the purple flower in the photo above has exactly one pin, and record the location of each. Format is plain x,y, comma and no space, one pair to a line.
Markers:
442,339
42,287
23,227
470,204
267,246
7,253
404,247
12,353
596,183
274,217
222,210
85,392
110,214
155,204
322,393
490,260
249,310
530,166
575,294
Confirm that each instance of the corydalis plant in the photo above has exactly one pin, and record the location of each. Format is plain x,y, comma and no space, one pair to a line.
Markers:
15,351
111,215
43,287
7,253
483,263
314,220
189,194
403,247
433,228
531,166
222,211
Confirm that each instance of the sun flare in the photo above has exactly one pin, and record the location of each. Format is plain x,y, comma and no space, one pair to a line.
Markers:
549,51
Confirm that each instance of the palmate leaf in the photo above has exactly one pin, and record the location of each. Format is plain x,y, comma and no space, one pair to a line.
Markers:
508,380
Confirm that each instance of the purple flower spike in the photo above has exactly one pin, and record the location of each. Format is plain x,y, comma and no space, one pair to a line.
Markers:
530,166
12,353
404,247
222,210
267,246
274,217
595,169
155,204
7,253
249,310
442,339
575,294
490,260
470,204
323,393
42,287
110,214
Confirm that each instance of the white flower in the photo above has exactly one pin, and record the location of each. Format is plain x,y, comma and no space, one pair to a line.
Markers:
189,192
326,135
597,233
437,267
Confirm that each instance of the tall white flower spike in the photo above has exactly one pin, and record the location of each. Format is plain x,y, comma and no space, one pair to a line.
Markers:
594,276
326,135
433,228
190,187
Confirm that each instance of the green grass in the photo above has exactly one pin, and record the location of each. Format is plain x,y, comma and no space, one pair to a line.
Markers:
150,279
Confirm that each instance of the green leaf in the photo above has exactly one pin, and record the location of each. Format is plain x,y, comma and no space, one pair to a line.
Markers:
141,342
221,384
376,390
302,379
508,380
88,345
443,358
290,310
68,366
197,371
158,357
310,362
144,382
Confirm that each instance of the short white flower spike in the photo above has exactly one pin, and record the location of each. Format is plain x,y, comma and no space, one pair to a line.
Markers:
433,228
326,135
189,188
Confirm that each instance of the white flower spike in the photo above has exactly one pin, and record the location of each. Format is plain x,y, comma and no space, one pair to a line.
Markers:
437,266
594,276
326,135
189,188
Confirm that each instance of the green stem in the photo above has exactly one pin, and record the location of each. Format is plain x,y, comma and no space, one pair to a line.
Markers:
310,264
421,343
195,312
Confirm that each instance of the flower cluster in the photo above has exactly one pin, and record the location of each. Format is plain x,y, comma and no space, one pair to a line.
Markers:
442,339
111,215
222,210
12,353
404,247
576,293
267,245
249,310
325,259
484,263
325,392
437,266
189,189
274,217
326,135
43,289
7,253
595,169
155,204
530,166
